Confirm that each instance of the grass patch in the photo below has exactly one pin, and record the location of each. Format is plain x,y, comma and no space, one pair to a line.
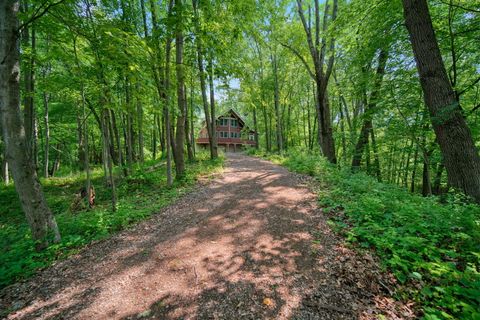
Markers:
432,248
140,195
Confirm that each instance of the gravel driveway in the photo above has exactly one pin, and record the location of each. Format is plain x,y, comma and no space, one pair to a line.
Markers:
249,244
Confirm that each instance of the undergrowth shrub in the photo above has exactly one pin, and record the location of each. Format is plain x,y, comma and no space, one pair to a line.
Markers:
432,248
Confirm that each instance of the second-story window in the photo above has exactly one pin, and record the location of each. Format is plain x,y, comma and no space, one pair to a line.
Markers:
234,123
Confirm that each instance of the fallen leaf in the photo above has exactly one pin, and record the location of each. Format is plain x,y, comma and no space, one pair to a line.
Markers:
268,302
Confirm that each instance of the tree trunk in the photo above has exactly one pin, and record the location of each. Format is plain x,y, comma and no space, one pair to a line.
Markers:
267,133
180,131
47,135
414,171
86,165
192,125
106,133
188,139
255,127
128,125
213,115
278,119
141,143
166,109
211,126
438,178
154,137
37,212
460,155
5,172
378,171
318,49
369,110
426,184
29,40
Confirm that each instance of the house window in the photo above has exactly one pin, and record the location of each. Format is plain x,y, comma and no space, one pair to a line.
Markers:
251,137
224,122
223,134
233,135
234,123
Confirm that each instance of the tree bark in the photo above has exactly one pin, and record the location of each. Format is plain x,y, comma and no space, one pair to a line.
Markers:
166,109
213,116
29,40
369,110
32,199
276,99
47,135
211,126
438,179
321,77
188,139
460,155
255,127
180,131
141,142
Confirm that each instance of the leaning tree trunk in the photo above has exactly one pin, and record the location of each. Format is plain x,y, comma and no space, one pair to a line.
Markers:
39,216
460,155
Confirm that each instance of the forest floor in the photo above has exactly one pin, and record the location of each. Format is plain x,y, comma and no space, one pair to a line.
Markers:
250,244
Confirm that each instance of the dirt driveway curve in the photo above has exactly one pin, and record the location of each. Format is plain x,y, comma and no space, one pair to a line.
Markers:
239,247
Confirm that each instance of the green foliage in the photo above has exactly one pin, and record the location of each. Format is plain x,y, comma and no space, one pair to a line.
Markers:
141,194
432,248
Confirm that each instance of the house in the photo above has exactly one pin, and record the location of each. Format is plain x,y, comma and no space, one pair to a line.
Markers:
231,131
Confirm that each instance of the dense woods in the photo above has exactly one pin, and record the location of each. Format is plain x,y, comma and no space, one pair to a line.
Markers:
101,87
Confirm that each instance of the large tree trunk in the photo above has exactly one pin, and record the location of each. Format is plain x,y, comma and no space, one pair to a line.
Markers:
460,155
38,214
180,131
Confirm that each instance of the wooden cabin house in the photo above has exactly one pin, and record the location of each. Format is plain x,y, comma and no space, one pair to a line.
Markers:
231,131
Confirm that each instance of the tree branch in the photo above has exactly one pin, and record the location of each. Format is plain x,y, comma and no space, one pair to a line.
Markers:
295,51
461,7
40,12
469,86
